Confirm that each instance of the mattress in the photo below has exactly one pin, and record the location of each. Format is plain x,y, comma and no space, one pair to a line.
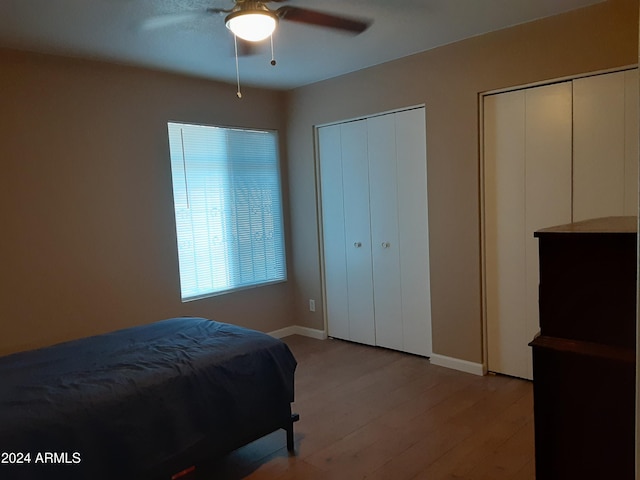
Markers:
119,404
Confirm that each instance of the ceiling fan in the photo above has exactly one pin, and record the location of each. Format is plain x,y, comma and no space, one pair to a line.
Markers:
254,21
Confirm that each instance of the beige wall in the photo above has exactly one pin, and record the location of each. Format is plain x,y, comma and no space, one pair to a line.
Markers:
88,240
447,80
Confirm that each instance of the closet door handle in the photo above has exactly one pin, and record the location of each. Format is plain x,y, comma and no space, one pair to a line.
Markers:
386,244
357,244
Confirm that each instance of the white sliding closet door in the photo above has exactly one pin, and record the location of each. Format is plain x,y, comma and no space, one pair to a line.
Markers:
411,154
547,184
375,230
605,160
355,168
384,231
599,131
347,239
552,155
527,185
504,167
337,304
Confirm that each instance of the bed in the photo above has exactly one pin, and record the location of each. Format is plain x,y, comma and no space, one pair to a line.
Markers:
143,402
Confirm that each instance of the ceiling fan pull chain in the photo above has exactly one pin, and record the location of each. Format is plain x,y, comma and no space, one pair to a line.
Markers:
273,59
235,44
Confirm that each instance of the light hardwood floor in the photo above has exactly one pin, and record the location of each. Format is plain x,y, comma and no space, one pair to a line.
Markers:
372,413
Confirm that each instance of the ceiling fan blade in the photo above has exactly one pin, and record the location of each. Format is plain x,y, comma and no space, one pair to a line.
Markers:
170,19
219,10
321,19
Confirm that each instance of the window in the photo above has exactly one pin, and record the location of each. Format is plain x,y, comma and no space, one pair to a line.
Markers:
227,200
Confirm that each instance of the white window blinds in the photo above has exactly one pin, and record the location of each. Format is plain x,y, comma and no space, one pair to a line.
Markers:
227,199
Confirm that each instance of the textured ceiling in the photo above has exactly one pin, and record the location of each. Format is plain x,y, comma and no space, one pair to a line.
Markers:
134,32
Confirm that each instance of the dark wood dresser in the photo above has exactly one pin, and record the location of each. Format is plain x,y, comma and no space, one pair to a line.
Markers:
584,355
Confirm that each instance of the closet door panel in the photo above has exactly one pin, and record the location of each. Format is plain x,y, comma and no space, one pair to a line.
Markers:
335,264
411,158
504,206
631,143
355,168
384,231
375,231
577,144
599,146
547,184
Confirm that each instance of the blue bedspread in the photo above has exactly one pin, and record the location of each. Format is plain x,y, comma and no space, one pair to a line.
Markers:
117,405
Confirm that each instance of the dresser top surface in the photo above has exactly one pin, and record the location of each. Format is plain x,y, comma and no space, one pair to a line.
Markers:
595,225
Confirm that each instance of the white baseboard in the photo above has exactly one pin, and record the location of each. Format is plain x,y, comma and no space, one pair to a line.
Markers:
298,330
434,358
457,364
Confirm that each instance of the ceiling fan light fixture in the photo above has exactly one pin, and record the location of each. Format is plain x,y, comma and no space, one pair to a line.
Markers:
252,25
